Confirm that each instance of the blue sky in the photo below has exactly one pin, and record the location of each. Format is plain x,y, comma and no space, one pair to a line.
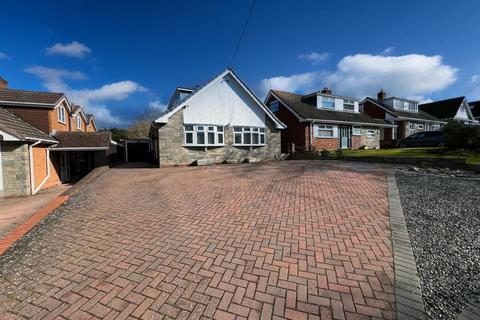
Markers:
116,58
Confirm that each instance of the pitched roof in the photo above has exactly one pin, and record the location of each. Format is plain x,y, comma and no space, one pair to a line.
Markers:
14,96
82,140
475,108
307,111
20,129
169,112
443,109
420,115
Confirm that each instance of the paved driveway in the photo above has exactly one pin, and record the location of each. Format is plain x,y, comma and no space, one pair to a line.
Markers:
290,240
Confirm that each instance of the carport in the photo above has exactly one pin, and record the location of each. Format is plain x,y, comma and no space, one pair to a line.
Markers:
137,150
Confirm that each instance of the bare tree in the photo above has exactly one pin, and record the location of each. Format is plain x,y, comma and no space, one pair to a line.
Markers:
141,126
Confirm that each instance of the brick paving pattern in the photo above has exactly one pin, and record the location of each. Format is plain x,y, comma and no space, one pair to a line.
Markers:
295,240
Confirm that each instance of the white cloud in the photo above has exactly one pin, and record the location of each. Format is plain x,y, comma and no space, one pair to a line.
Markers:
156,104
475,86
294,83
388,50
363,75
408,75
314,57
74,49
4,56
91,99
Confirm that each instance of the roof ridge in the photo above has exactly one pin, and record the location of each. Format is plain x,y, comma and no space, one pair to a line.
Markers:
32,91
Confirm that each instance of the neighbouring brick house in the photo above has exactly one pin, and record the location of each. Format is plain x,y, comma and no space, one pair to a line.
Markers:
222,121
34,128
456,109
404,113
321,120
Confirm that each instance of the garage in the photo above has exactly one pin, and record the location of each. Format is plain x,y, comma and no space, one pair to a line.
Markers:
137,150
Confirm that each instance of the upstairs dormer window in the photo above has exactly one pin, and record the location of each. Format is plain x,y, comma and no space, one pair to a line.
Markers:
61,114
79,122
328,103
274,106
348,105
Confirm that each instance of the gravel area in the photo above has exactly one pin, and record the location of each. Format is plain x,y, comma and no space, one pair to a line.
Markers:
443,219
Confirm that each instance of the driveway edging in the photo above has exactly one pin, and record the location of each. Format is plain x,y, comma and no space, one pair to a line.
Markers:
408,294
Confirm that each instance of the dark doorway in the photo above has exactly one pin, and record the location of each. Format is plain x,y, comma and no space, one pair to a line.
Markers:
137,151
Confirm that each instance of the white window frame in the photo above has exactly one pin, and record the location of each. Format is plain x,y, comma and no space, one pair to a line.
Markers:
324,128
420,126
356,131
274,106
411,126
78,120
218,131
349,102
329,99
61,114
371,133
243,132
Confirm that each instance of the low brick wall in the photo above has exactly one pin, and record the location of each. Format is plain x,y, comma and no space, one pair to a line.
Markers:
15,168
173,152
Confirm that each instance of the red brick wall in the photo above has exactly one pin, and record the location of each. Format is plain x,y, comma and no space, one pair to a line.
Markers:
37,117
296,132
356,142
326,143
373,110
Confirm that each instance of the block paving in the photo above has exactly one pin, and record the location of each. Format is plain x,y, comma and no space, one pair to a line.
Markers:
280,240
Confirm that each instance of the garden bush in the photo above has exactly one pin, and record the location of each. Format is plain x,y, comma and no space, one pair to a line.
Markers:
461,136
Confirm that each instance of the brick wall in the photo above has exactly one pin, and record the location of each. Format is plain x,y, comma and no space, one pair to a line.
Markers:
326,143
37,117
55,124
172,151
40,167
370,143
15,169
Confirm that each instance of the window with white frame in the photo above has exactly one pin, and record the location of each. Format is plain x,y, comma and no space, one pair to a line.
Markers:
420,126
79,122
248,136
61,114
324,131
357,131
411,126
274,106
203,135
371,133
328,103
412,106
348,104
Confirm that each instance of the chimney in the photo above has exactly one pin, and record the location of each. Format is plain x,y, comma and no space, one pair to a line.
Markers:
3,83
381,95
326,91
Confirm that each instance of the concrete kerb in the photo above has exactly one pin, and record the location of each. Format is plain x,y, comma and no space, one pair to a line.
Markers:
408,294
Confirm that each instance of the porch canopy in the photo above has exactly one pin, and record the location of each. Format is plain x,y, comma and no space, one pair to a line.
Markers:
82,141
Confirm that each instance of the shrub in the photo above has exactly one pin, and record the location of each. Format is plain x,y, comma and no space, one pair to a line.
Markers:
324,153
461,136
339,152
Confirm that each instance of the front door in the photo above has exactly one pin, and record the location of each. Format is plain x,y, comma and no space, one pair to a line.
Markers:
64,167
345,137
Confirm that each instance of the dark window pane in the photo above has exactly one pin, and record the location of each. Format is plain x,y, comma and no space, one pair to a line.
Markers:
262,139
188,128
211,128
220,129
200,128
220,138
262,129
237,129
247,138
238,138
200,138
189,138
255,138
211,138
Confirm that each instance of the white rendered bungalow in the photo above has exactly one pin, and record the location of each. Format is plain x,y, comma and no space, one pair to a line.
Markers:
222,121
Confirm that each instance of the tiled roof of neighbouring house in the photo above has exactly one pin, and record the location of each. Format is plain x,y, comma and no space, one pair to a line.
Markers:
307,111
443,109
20,129
421,115
79,140
29,97
475,108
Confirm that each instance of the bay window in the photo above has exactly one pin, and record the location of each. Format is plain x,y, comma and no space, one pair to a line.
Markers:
248,136
203,135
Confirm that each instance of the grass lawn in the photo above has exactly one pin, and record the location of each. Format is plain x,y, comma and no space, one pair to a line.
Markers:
471,158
